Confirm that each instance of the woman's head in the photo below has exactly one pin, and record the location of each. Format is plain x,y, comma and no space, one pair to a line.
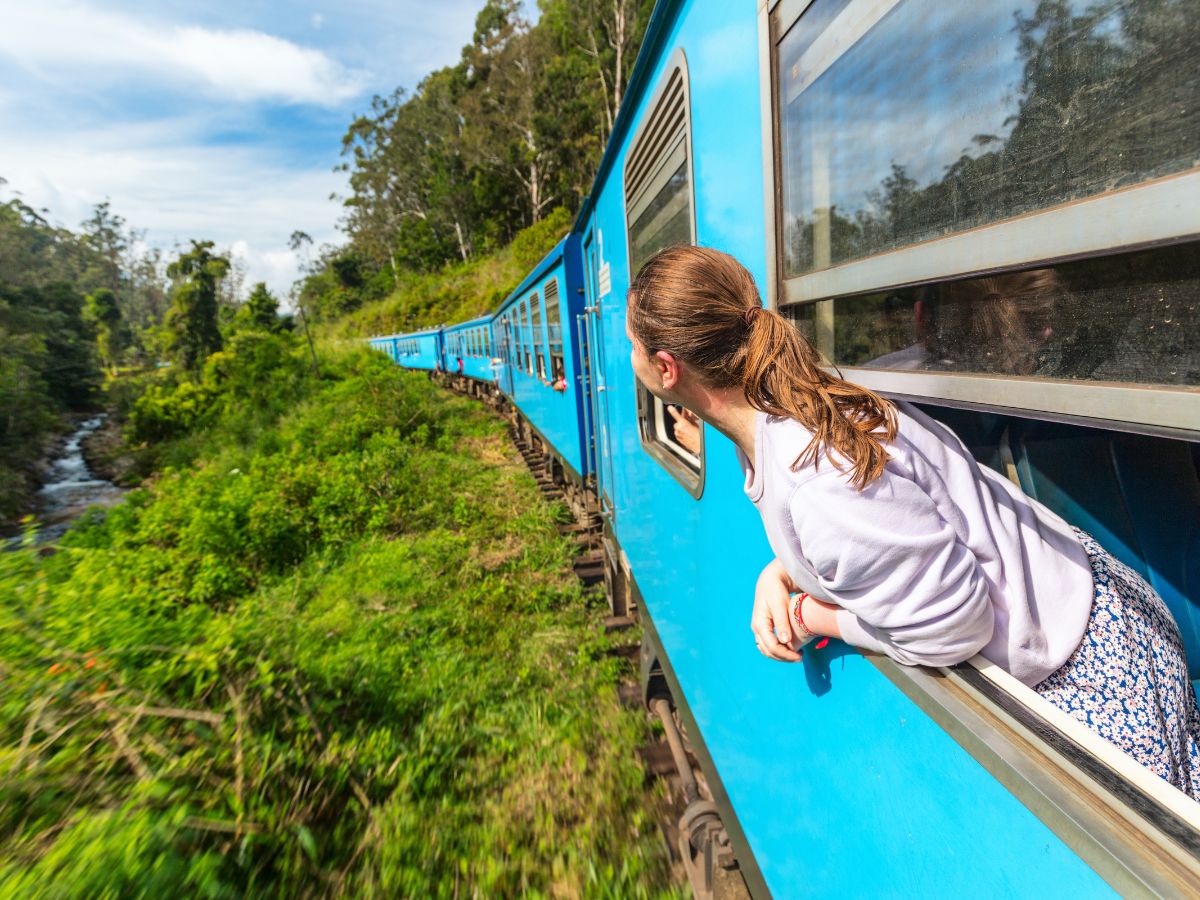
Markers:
701,307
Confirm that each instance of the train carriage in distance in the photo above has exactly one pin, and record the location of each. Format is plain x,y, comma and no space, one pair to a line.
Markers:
416,350
989,209
541,369
472,343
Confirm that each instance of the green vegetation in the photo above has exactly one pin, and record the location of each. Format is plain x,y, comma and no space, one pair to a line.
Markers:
69,301
333,644
459,291
455,171
47,353
342,653
191,322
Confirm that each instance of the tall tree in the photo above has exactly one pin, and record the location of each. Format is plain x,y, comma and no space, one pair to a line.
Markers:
104,232
261,310
192,328
103,313
301,244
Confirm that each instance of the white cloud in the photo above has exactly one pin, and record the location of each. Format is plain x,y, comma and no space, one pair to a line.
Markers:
178,189
57,39
317,21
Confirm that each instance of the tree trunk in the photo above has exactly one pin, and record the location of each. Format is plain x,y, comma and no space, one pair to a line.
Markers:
618,42
463,250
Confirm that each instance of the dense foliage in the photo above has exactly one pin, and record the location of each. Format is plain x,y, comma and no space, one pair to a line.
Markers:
342,654
478,152
48,363
459,291
192,321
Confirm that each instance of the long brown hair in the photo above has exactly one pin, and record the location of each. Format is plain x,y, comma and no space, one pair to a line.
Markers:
701,306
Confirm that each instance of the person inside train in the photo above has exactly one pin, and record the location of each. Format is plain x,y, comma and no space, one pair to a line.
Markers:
888,535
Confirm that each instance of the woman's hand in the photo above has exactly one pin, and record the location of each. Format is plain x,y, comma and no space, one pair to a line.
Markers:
770,623
687,428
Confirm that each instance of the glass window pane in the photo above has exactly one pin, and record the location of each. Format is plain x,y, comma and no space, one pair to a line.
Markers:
525,336
946,116
536,337
665,222
1132,318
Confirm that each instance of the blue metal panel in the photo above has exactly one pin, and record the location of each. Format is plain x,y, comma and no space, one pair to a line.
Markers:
840,783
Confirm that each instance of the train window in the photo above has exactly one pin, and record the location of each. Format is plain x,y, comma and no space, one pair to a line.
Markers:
526,336
558,367
660,210
535,306
988,135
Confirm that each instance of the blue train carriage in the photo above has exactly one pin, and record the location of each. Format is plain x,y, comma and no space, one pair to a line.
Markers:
902,180
413,350
388,344
542,371
471,342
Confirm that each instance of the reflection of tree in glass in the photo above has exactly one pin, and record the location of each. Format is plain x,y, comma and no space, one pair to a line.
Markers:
1107,98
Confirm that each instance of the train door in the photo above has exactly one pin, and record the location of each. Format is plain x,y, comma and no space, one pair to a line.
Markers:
503,352
598,396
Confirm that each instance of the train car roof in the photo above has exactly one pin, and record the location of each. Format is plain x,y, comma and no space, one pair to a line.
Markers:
547,262
485,319
406,334
657,33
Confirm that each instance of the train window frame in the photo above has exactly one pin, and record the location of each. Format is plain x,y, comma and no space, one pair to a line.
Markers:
661,149
526,337
550,294
510,340
1153,212
538,336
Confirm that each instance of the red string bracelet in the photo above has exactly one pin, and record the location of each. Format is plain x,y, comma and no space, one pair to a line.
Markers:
824,641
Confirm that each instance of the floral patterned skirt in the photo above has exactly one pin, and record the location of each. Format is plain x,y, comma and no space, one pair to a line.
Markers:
1128,678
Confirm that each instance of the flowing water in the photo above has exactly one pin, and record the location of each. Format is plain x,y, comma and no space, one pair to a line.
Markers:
71,487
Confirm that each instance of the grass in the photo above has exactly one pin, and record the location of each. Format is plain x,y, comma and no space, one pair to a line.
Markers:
342,656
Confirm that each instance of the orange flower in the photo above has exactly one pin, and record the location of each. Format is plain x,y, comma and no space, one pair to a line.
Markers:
56,668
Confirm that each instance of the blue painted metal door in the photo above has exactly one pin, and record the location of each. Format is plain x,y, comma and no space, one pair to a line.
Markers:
599,387
503,353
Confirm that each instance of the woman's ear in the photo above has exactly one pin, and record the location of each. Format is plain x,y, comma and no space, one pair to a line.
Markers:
667,367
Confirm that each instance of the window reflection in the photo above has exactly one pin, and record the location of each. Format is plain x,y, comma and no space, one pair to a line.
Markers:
665,222
946,116
1133,317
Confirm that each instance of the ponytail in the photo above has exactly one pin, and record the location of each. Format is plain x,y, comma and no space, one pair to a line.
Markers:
702,306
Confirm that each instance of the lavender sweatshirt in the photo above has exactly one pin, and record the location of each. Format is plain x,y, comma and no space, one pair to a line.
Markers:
936,560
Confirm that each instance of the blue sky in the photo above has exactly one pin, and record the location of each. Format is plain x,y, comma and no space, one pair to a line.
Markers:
219,120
